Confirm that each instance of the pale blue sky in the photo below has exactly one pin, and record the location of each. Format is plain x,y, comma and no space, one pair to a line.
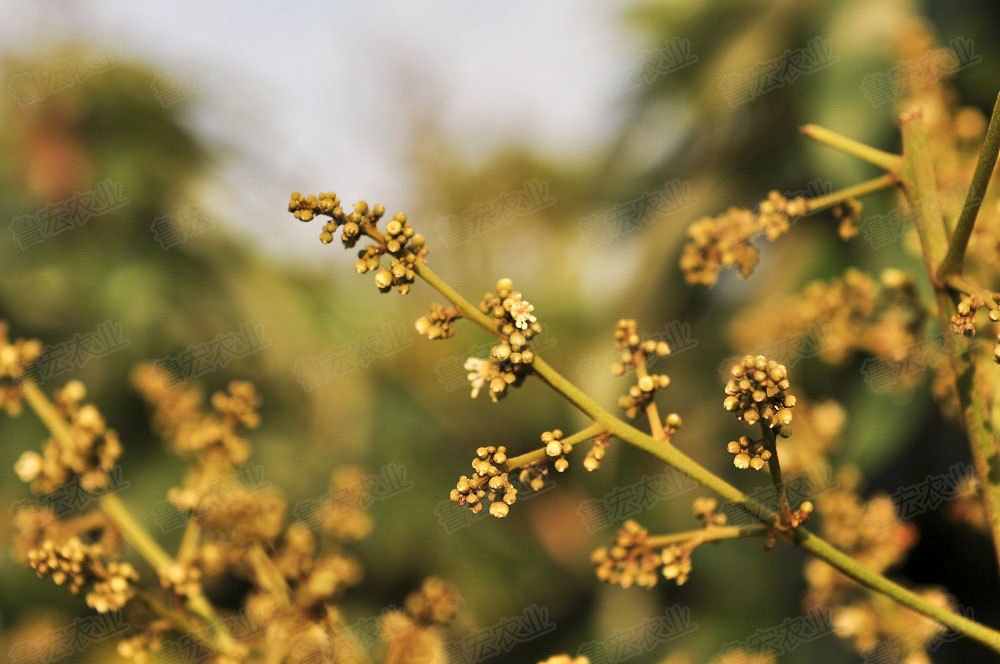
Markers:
316,93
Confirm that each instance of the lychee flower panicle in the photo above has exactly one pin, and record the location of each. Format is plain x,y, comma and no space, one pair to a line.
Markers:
758,391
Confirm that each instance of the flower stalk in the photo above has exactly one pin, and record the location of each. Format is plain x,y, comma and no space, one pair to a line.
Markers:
709,534
133,532
971,379
668,453
771,444
886,160
539,455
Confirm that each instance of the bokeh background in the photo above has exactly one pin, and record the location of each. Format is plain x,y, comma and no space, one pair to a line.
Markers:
195,121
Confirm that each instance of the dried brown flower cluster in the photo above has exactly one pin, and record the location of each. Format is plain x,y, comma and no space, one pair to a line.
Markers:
723,241
399,241
635,355
90,453
510,360
74,563
439,323
757,391
15,357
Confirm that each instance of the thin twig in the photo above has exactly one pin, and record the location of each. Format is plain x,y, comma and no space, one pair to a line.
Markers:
952,263
887,160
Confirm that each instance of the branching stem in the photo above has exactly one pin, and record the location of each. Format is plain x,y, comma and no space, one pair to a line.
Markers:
953,260
887,160
666,452
709,534
133,531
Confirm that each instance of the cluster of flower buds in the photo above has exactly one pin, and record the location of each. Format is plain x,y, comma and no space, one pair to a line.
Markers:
76,563
182,579
704,510
717,242
775,214
963,321
635,352
90,452
629,560
489,482
801,515
399,240
343,514
436,603
534,476
15,357
633,560
439,323
597,451
141,646
676,563
115,589
847,212
510,360
413,634
757,390
723,241
748,453
514,314
556,448
180,418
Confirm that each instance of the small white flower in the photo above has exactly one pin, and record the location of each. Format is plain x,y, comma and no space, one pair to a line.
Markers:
520,311
28,466
479,373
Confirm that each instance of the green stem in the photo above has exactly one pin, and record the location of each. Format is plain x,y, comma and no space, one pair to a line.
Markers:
535,456
710,534
135,534
888,161
920,187
953,260
856,191
771,443
666,452
652,412
178,619
852,568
